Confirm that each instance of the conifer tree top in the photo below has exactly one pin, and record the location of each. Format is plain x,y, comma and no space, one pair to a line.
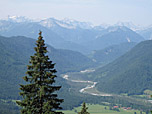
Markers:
84,109
38,94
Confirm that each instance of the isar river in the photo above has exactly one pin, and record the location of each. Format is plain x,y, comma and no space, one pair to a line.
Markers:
88,89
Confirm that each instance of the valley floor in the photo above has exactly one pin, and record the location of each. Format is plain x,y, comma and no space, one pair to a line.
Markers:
100,109
81,84
90,88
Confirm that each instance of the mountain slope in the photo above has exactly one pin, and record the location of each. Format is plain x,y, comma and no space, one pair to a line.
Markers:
131,73
110,53
15,54
146,33
114,36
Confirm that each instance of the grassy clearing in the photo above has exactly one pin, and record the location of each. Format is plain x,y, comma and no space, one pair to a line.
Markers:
148,92
100,109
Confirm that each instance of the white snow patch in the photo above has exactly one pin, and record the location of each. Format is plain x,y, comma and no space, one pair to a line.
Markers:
19,19
113,29
128,40
64,25
47,23
94,60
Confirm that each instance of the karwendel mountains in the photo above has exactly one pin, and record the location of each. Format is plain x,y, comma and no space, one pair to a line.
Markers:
70,34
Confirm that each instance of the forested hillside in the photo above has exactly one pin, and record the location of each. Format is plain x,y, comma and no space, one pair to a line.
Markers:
111,53
131,73
14,57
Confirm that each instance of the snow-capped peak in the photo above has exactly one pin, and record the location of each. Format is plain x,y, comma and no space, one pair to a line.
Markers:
128,24
50,22
65,23
78,24
118,28
18,19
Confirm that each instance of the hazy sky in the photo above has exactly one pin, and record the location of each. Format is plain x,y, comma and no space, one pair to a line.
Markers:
96,11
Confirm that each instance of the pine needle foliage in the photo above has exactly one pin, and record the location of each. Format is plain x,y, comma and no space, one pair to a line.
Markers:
84,109
38,94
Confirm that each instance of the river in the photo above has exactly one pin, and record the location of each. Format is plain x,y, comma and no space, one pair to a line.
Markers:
89,89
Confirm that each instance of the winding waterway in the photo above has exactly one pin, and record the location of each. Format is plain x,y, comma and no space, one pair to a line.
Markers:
91,85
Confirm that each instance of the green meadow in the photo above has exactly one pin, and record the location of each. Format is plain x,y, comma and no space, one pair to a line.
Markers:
100,109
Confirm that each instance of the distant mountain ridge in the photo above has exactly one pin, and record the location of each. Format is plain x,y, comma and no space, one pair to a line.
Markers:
69,34
66,23
111,53
146,33
114,36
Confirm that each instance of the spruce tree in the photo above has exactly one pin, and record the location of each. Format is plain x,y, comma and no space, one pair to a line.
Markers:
84,109
38,93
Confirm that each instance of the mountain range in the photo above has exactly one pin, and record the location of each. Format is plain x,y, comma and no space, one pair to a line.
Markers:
69,34
114,36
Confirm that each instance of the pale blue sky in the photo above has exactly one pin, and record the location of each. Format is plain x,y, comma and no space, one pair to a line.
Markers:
96,11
